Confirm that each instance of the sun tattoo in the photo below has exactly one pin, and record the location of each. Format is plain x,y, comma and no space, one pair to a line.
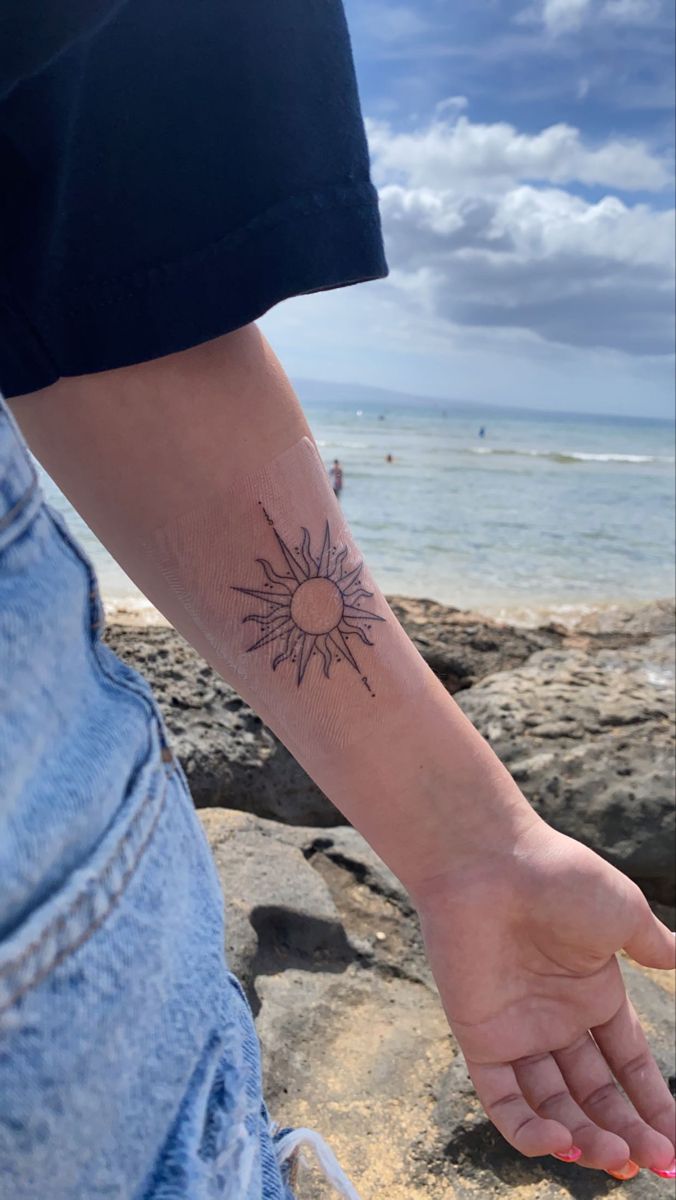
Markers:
314,608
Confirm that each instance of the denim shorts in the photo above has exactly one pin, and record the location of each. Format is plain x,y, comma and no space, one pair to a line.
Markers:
129,1062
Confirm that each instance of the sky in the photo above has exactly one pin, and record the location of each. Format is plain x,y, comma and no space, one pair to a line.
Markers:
524,157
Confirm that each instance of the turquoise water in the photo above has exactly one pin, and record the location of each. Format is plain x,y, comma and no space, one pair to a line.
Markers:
547,511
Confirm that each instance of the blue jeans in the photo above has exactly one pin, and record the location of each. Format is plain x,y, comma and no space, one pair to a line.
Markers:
129,1062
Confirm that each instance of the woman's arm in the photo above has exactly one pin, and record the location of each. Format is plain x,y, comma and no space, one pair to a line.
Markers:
179,465
199,473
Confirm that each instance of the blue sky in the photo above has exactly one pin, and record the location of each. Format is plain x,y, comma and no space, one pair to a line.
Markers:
524,157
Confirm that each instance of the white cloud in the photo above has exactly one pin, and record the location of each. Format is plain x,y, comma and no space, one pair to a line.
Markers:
631,12
386,22
379,335
453,105
531,223
471,241
446,152
562,16
568,16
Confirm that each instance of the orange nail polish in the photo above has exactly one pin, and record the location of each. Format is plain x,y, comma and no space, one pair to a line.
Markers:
630,1171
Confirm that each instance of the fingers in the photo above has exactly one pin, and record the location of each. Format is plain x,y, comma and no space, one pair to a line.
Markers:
591,1083
546,1090
544,1104
627,1053
652,944
500,1093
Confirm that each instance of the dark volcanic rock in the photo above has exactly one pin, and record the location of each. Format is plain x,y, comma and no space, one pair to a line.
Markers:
278,909
463,647
232,759
288,890
582,716
622,626
589,739
229,756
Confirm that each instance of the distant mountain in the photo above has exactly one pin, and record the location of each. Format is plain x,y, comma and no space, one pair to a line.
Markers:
362,395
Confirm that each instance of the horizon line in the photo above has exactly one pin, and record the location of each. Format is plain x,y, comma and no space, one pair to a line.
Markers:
491,406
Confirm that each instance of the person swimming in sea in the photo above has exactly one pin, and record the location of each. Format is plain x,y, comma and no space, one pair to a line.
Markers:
336,477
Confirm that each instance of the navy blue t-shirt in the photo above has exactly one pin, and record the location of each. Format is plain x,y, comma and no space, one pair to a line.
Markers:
169,170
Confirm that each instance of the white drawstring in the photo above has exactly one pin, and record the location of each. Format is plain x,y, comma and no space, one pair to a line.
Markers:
332,1169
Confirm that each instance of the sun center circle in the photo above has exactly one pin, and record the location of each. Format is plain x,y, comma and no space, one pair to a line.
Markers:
317,606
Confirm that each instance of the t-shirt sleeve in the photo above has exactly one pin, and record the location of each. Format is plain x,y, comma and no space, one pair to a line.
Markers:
34,32
170,173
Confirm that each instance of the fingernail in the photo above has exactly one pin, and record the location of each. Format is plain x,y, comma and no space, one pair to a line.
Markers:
571,1155
630,1171
666,1172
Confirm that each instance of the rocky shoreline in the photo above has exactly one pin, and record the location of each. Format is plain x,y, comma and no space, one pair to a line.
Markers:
322,934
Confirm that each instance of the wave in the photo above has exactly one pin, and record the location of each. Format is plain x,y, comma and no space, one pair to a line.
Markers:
573,456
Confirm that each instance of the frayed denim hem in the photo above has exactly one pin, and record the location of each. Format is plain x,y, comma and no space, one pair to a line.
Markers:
287,1144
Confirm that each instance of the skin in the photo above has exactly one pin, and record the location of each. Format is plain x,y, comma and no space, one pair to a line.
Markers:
522,925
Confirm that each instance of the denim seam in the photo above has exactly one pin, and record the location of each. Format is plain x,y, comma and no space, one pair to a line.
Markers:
94,633
22,503
74,552
108,887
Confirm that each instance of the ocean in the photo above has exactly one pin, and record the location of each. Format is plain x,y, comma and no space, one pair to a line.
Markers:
546,512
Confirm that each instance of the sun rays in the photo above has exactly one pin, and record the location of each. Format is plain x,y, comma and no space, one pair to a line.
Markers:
312,607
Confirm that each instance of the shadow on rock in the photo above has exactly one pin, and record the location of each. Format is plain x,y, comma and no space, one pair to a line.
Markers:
290,940
480,1149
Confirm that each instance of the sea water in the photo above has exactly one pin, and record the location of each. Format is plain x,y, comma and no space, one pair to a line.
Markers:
543,512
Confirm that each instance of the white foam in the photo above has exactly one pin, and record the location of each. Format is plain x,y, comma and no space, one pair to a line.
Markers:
563,456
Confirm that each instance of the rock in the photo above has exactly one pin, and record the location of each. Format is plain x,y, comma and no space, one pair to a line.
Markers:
356,1058
589,739
623,625
278,909
229,756
371,1065
463,647
355,1043
581,714
280,884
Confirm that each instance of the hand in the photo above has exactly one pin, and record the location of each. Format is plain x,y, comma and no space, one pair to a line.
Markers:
522,946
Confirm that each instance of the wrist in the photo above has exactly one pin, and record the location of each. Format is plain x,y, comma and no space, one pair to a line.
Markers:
488,820
426,791
481,859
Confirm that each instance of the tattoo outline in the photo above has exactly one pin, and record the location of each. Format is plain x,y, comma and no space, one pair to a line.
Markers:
312,609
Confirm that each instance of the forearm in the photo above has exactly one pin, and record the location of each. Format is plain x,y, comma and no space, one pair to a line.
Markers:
200,475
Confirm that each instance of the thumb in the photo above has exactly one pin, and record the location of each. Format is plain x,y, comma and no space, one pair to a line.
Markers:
651,944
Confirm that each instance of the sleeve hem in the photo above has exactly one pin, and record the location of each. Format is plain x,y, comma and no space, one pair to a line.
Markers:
328,240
